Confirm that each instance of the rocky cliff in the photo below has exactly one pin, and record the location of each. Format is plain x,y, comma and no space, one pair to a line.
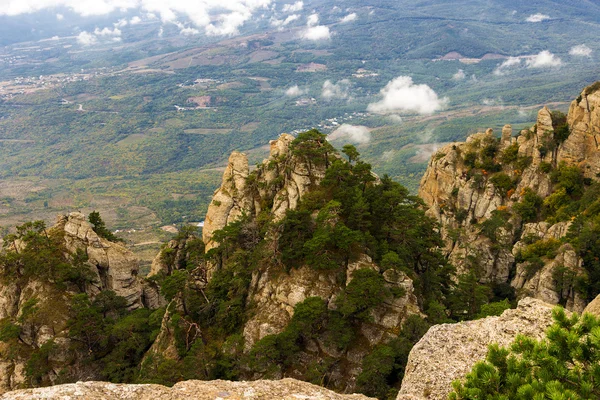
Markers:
285,389
39,306
493,197
259,201
448,352
278,184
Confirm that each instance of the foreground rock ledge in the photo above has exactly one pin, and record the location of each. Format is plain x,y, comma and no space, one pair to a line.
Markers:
449,351
285,389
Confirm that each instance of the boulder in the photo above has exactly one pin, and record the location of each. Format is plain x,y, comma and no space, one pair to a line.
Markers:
448,352
285,389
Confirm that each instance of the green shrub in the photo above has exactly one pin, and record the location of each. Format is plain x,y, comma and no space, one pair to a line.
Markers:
493,309
366,291
510,154
529,206
564,365
502,182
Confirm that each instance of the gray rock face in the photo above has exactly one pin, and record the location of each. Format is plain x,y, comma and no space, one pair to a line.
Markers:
285,389
582,146
448,352
281,180
115,266
461,199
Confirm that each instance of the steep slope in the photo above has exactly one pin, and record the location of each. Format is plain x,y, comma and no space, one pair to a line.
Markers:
506,206
448,352
307,272
42,271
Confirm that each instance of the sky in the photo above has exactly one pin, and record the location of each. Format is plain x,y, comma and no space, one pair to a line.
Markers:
213,17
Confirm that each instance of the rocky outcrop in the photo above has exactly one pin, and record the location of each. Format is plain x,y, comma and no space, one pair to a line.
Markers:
462,195
278,184
115,266
41,307
582,147
275,295
230,200
285,389
448,352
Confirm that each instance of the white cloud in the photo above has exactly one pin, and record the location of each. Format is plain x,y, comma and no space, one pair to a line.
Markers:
297,6
537,17
187,31
121,23
459,75
395,118
349,18
351,133
319,32
161,31
511,62
107,32
338,90
135,20
229,15
294,91
86,38
60,17
312,20
283,22
545,59
402,95
581,51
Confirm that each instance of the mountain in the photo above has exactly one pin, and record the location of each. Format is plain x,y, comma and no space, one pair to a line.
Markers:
159,114
313,267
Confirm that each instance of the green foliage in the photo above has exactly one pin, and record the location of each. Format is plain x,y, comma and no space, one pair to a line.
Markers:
313,147
110,336
569,178
383,368
492,226
366,291
38,365
468,296
173,284
529,206
510,154
470,159
8,330
503,183
99,227
493,309
564,365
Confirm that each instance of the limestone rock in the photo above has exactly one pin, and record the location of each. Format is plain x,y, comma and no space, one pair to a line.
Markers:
593,307
449,351
542,284
506,136
285,389
230,200
116,266
582,146
281,180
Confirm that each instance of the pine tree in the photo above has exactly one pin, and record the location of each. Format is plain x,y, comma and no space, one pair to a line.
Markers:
563,366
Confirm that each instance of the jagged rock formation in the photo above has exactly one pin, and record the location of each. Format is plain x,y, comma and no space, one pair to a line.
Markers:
461,196
582,146
285,389
448,352
275,295
279,183
115,266
112,266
